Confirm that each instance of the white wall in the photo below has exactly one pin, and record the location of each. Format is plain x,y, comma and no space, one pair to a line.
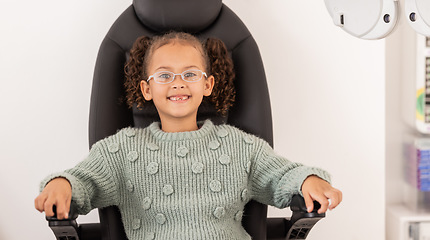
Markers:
400,108
47,55
327,91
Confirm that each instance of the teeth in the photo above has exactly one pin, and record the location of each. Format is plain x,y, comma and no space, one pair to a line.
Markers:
179,98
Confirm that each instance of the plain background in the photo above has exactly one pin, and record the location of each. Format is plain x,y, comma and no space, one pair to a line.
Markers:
327,92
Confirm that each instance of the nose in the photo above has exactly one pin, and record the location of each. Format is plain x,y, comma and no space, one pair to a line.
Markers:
178,82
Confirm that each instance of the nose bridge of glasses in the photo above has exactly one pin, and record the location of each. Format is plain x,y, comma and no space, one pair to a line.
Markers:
177,74
180,76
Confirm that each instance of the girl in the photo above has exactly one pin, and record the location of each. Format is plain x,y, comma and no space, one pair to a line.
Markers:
179,178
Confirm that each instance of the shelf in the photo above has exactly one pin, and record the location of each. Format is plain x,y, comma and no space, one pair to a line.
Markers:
407,214
399,219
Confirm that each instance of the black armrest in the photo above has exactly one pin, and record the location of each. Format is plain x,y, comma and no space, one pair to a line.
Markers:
296,227
69,229
64,228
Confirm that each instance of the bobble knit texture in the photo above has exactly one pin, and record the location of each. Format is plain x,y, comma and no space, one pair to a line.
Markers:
187,185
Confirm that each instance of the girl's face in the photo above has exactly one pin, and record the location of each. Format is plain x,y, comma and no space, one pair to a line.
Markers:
178,100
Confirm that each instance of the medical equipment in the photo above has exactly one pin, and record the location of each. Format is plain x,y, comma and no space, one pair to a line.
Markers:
417,13
366,19
376,19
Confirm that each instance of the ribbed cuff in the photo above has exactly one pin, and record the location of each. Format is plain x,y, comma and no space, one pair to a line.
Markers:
291,184
78,191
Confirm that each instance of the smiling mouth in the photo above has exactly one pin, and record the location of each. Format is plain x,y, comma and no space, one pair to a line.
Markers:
178,98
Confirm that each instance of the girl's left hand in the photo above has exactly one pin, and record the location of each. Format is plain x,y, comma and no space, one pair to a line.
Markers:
317,189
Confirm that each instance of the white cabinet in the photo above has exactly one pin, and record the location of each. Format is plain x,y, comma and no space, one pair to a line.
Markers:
407,224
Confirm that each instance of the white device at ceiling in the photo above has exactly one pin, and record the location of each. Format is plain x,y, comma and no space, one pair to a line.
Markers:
417,13
366,19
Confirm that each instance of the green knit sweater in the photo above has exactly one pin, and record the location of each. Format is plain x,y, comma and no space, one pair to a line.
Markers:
187,185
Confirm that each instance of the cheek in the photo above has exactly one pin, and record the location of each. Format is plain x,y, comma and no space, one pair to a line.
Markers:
200,87
158,93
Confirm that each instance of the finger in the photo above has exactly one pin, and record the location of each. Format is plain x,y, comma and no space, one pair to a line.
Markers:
309,202
323,202
48,208
61,210
39,202
334,202
63,207
67,207
336,198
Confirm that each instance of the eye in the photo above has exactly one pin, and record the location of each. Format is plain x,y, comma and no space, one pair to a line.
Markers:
164,75
190,74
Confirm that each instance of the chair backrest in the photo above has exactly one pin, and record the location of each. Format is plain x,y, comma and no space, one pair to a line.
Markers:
203,18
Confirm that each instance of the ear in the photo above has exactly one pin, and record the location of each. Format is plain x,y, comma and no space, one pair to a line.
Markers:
209,85
146,91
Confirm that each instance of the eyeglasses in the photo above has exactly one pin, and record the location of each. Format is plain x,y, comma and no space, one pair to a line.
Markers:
165,77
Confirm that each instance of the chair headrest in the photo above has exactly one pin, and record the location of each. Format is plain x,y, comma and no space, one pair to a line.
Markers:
185,15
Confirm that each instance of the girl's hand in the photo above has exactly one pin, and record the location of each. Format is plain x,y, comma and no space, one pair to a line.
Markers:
317,189
57,192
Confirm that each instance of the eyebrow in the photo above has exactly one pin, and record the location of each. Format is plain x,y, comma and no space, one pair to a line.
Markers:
169,68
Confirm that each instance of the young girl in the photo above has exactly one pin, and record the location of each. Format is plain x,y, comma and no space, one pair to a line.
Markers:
179,178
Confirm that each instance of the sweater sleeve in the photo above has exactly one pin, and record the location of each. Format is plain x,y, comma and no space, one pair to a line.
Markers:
93,183
274,179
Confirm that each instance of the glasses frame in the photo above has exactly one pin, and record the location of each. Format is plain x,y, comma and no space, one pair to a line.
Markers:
177,74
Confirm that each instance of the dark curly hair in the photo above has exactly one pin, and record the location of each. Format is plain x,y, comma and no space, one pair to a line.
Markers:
216,60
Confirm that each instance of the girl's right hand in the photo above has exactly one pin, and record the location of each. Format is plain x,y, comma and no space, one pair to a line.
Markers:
57,192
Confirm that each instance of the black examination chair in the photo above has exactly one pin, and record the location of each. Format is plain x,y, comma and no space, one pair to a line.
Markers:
251,111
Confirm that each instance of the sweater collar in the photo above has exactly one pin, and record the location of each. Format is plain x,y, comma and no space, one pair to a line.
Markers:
206,127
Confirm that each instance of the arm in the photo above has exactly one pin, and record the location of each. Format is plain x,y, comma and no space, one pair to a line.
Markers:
89,185
57,192
275,180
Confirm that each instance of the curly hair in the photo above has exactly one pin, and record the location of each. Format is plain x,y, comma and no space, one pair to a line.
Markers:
216,60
